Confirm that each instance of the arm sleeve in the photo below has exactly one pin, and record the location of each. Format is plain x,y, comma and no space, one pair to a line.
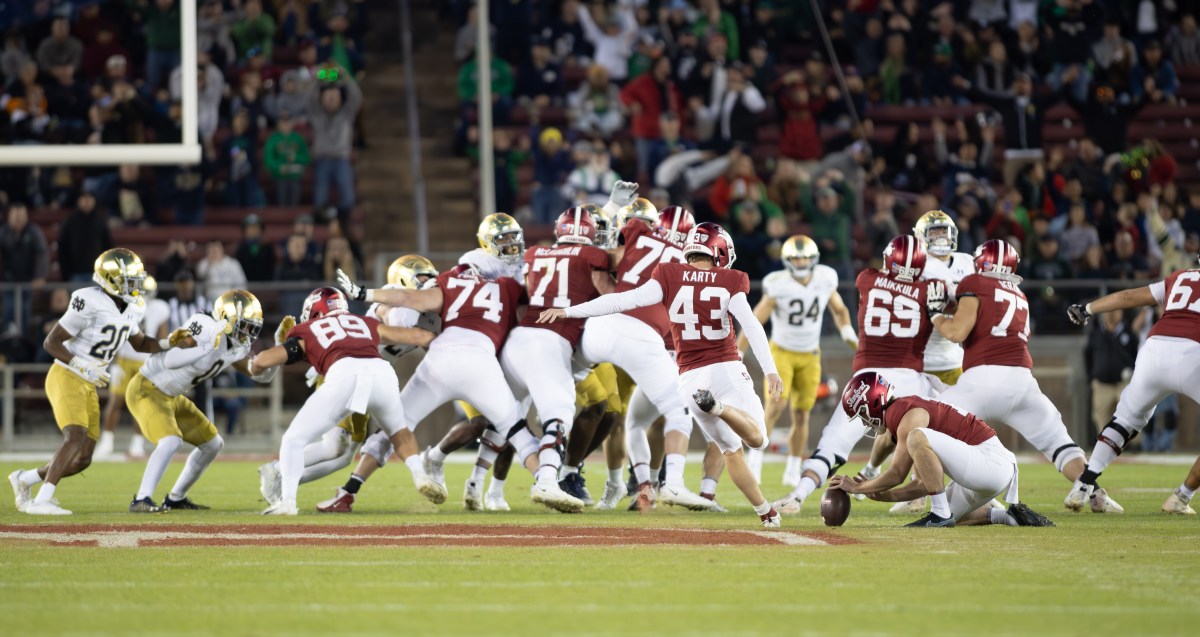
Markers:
648,293
739,307
1159,291
176,357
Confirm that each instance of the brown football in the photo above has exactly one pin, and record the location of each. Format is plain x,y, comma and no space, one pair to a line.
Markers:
835,507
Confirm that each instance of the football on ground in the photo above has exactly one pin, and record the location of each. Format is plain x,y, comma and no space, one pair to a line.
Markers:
835,507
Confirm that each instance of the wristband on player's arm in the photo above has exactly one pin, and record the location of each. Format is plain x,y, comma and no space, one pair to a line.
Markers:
295,352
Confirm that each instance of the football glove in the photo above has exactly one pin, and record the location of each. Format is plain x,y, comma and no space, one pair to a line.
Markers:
178,336
623,193
352,289
285,326
935,301
1079,314
311,377
91,372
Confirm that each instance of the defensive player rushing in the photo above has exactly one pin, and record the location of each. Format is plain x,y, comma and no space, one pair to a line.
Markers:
700,296
125,367
647,240
477,315
344,348
337,448
1169,362
997,385
794,299
98,321
938,441
158,402
938,234
893,317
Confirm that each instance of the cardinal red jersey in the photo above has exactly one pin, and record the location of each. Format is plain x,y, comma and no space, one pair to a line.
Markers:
561,276
1179,295
643,251
329,339
472,302
893,328
1001,332
944,418
697,303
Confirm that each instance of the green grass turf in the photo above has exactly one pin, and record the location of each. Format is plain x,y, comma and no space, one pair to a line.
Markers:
1134,574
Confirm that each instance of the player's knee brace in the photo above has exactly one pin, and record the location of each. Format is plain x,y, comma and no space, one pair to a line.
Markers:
552,437
680,422
379,447
492,439
1066,454
823,464
1116,436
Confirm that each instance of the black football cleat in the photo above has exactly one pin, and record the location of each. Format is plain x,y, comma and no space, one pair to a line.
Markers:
145,505
575,486
705,400
932,520
1026,516
185,504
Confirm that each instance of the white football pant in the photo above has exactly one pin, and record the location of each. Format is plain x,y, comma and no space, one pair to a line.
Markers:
1165,365
979,472
730,384
537,363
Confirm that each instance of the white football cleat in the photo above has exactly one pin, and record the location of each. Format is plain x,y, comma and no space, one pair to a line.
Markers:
716,506
792,478
1078,497
613,492
493,501
681,496
433,491
21,491
473,496
436,470
45,508
548,493
789,505
1101,503
771,520
1177,504
912,506
270,483
283,507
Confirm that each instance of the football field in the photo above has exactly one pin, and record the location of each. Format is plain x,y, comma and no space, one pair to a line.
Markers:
400,566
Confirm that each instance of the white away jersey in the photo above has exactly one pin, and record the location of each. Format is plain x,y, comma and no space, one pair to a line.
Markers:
941,354
177,381
799,308
405,317
98,329
492,267
157,314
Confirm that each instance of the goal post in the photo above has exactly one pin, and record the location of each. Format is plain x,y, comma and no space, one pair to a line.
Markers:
186,152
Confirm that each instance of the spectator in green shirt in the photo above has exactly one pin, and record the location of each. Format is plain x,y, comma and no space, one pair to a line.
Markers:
286,157
829,214
713,20
160,19
502,88
255,30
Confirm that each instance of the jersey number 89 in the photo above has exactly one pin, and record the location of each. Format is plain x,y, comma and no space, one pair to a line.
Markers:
339,326
895,314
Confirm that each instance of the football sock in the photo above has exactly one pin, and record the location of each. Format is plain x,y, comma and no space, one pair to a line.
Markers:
793,464
29,477
198,460
566,471
46,493
708,486
656,474
435,454
641,473
478,474
614,476
415,464
763,508
156,465
353,484
496,487
754,460
674,462
546,473
137,444
939,505
105,444
1088,476
1185,492
1000,516
805,488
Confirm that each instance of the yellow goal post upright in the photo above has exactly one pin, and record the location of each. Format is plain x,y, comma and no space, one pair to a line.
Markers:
186,152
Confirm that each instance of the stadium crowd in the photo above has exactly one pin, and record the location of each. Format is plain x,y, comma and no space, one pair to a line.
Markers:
733,108
277,117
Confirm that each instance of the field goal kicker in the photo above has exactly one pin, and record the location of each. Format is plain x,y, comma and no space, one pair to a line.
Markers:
186,152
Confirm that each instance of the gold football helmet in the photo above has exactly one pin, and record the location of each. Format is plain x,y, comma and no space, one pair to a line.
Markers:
606,231
407,271
937,232
243,312
120,273
639,208
501,236
149,287
800,255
